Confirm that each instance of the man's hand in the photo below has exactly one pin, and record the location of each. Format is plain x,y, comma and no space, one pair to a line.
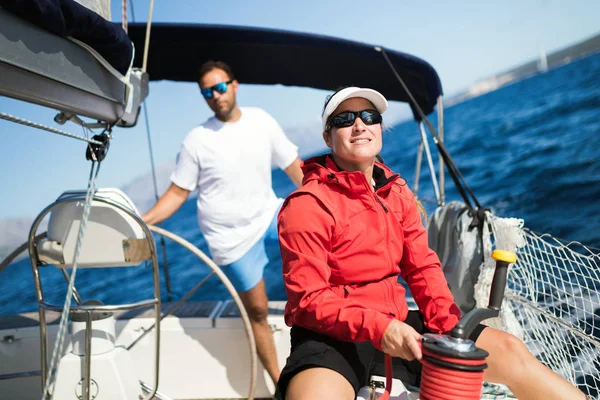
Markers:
401,340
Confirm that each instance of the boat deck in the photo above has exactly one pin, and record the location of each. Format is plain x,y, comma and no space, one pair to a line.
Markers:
204,349
208,309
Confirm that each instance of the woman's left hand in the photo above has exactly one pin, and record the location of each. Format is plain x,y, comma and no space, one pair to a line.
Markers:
401,340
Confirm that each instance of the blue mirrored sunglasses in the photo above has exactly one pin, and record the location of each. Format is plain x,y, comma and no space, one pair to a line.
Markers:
220,88
347,118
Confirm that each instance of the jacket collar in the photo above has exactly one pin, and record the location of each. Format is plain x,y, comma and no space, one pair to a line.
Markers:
324,169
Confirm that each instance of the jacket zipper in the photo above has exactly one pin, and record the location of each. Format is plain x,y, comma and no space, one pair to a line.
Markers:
389,285
380,202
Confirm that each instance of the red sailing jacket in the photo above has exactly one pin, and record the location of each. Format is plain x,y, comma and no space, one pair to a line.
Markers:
342,248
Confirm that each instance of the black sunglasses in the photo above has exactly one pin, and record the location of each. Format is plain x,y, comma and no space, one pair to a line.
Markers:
220,88
347,118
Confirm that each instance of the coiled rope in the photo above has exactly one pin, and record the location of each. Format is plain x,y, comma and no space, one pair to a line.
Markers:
451,378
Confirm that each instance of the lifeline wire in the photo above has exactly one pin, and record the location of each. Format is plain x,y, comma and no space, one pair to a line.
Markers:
163,245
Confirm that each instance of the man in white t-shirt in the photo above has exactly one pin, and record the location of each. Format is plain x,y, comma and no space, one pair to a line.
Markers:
229,160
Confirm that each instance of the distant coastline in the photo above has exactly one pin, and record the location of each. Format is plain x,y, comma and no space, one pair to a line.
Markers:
531,68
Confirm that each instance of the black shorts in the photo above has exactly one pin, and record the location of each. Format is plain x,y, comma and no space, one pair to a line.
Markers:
356,361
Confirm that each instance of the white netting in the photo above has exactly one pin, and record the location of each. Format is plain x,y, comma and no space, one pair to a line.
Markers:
552,301
508,234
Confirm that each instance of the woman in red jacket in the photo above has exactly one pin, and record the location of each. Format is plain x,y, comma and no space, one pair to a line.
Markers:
345,236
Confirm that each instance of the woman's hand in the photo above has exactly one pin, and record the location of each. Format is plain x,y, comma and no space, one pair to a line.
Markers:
401,340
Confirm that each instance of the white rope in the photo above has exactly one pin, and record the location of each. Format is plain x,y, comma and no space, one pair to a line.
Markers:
147,44
123,78
58,344
106,64
21,121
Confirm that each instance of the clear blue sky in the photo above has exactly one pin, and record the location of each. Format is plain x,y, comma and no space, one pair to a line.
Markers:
464,40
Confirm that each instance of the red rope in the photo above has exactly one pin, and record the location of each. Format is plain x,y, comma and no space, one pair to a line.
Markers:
124,15
439,383
388,378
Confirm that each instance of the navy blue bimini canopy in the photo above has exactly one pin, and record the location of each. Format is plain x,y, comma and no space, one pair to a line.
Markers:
269,56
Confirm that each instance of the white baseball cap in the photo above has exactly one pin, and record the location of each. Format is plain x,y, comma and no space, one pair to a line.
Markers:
373,96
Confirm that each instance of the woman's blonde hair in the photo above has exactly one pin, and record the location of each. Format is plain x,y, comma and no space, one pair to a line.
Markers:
421,209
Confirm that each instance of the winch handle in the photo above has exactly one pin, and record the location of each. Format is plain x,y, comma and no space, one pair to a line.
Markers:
467,323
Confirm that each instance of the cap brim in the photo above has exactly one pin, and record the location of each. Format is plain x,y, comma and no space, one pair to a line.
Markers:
371,95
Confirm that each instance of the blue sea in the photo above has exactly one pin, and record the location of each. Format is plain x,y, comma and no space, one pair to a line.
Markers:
529,150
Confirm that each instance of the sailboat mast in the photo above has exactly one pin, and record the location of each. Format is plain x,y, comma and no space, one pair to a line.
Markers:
543,62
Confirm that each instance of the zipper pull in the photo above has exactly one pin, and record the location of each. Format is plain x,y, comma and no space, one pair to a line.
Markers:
380,202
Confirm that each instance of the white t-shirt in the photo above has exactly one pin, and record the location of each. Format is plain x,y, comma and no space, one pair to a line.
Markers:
230,163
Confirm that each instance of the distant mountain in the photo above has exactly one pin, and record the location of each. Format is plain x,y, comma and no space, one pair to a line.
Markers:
14,232
545,62
308,138
141,189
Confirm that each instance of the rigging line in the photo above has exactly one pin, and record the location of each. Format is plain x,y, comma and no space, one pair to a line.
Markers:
147,43
21,121
432,130
452,166
124,15
425,142
418,168
85,131
58,345
440,111
163,245
132,11
455,174
86,134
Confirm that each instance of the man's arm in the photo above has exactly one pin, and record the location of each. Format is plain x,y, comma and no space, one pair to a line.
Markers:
295,172
166,206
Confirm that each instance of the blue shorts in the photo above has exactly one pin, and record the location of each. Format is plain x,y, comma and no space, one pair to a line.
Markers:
246,272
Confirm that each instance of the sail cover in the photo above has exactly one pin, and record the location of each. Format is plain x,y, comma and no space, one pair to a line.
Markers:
40,65
269,56
69,18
